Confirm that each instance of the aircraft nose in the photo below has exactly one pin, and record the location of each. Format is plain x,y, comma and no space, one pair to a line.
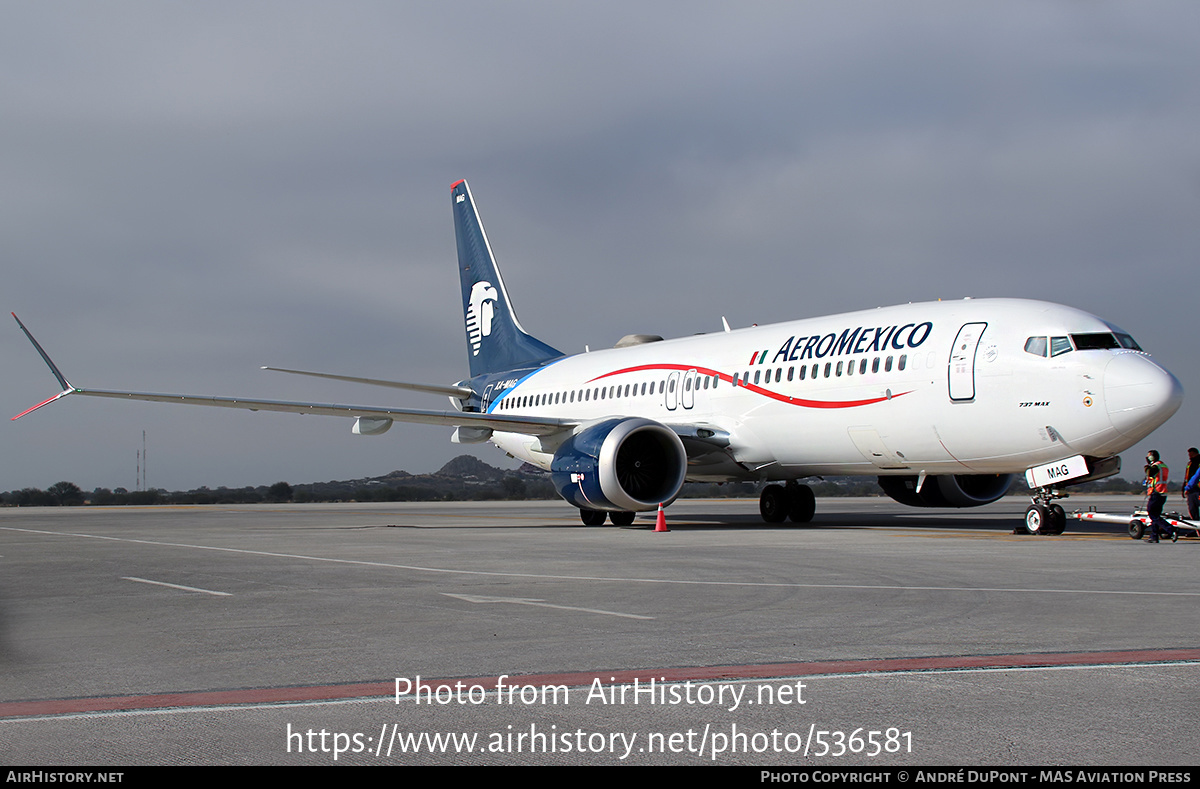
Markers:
1139,394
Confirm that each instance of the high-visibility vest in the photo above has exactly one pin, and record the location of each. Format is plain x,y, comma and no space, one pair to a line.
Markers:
1158,478
1190,472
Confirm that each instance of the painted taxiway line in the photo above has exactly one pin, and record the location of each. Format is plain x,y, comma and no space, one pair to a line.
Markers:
1124,592
488,599
175,586
768,672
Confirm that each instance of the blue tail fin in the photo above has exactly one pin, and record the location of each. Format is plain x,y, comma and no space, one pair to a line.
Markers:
495,339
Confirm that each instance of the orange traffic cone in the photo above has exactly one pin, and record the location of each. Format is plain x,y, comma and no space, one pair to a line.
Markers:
661,523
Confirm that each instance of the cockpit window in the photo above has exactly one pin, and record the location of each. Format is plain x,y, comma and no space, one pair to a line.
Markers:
1092,341
1128,342
1095,342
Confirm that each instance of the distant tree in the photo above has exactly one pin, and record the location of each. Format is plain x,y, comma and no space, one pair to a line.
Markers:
31,497
66,494
141,497
280,491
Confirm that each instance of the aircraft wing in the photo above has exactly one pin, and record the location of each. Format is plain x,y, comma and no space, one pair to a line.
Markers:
700,440
529,425
457,392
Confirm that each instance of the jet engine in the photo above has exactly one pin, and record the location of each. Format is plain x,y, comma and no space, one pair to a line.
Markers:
949,490
625,465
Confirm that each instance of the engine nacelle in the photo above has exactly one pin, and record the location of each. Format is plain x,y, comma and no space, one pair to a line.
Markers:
947,490
628,465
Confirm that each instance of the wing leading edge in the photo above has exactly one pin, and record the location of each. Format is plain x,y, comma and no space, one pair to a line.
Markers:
457,392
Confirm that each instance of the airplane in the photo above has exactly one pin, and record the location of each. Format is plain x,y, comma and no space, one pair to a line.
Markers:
944,402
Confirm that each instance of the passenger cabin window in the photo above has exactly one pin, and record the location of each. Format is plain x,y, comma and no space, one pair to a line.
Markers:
1036,346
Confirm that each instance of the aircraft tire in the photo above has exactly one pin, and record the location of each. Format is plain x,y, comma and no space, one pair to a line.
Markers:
621,518
774,503
1137,529
804,504
1057,520
593,517
1036,519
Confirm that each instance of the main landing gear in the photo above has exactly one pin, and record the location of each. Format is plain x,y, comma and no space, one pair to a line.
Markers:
777,503
597,517
1043,516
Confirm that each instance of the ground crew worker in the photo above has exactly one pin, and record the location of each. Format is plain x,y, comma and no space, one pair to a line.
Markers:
1156,487
1191,484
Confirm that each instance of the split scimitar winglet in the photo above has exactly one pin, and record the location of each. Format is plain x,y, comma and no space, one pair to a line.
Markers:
66,387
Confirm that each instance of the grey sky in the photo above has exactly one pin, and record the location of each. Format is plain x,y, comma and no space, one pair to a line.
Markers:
191,190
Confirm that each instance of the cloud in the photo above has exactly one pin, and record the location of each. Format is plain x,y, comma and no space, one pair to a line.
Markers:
191,191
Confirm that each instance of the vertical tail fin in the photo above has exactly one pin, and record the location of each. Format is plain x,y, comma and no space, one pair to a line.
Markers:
495,339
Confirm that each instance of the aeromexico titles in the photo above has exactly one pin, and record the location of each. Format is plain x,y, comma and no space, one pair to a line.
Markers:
943,402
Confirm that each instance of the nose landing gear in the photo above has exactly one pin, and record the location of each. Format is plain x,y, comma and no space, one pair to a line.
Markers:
1043,516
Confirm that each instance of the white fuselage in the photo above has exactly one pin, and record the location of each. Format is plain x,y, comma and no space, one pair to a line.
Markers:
938,387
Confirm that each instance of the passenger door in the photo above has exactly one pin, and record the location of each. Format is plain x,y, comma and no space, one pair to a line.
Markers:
961,369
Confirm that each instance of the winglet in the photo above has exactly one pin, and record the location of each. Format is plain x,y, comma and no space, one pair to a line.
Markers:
63,393
53,368
62,381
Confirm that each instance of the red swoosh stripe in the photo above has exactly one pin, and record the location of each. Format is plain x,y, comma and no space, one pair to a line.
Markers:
797,401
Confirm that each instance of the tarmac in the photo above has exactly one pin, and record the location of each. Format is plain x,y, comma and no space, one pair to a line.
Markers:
877,635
